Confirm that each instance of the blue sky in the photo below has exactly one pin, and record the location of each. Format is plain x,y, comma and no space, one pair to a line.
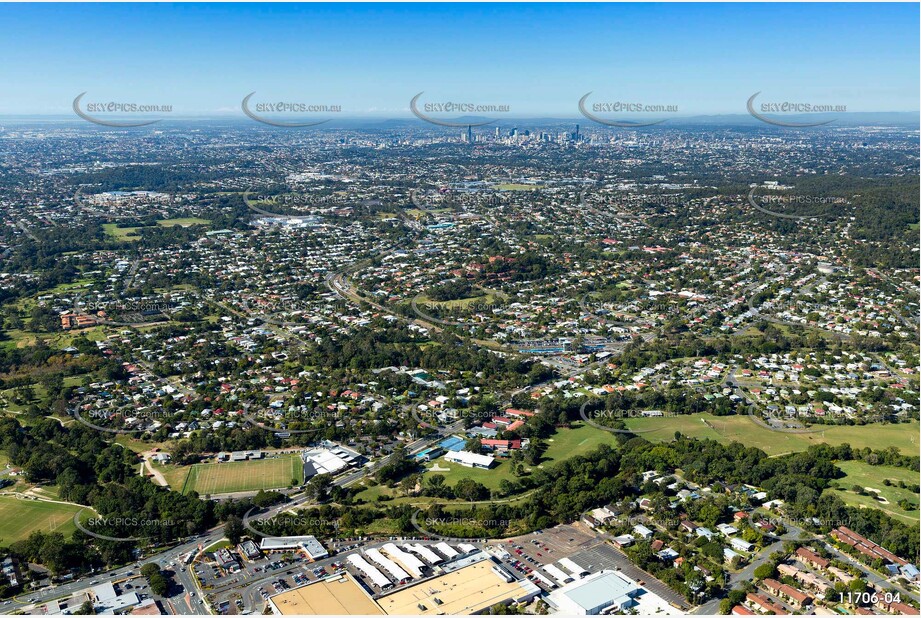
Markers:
535,58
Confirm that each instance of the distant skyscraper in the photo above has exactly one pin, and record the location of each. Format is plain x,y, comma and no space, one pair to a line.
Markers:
469,134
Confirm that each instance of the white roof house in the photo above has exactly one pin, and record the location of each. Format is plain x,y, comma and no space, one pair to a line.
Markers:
741,544
642,531
727,529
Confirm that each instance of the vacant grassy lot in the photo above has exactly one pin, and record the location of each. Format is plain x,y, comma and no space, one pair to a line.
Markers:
490,478
229,477
484,296
871,478
115,231
120,233
578,440
518,187
564,444
581,439
183,221
20,517
742,429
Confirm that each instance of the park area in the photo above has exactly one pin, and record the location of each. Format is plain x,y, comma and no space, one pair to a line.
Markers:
20,516
742,429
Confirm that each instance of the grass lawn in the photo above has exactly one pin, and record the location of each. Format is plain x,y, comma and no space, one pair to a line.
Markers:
52,492
742,429
871,477
223,543
228,477
578,440
484,297
581,439
131,442
113,230
518,187
490,478
382,527
370,494
565,443
183,221
19,518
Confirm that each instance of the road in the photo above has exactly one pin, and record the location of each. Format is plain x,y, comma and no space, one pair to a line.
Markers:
794,534
177,601
747,574
147,468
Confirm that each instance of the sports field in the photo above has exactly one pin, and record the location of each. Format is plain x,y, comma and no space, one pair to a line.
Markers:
742,429
20,517
230,477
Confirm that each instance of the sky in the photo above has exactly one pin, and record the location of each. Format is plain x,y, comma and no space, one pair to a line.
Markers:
536,59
